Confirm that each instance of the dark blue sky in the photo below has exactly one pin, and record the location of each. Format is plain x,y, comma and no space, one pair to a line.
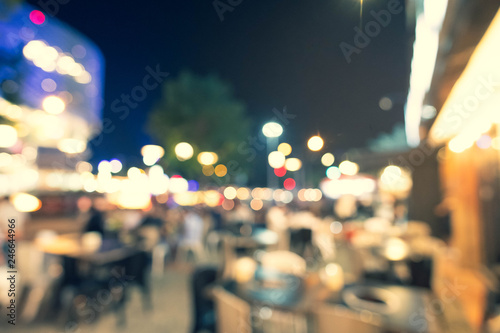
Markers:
273,52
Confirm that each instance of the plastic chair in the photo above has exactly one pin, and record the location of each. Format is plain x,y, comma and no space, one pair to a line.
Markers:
204,307
233,314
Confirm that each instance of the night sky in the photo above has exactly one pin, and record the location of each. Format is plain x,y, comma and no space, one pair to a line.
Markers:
274,53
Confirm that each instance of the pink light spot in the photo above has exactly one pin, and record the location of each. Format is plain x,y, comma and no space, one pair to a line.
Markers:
37,17
289,184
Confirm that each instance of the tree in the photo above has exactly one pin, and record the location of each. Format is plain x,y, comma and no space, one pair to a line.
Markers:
394,141
203,112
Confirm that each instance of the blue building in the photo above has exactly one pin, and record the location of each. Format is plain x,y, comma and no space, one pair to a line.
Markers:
51,88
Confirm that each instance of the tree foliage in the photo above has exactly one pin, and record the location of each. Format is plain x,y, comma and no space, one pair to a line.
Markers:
202,111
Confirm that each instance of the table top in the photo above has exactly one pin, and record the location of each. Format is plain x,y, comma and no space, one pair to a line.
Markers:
111,250
410,313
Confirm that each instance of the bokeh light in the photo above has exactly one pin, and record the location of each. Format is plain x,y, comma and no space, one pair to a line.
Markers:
285,148
243,193
289,184
208,170
151,154
184,151
276,159
230,192
272,130
116,166
8,136
207,158
280,172
256,204
315,143
24,202
348,168
220,170
327,159
53,105
37,17
293,164
333,172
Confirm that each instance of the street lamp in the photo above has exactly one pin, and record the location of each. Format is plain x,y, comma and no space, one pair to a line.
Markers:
272,131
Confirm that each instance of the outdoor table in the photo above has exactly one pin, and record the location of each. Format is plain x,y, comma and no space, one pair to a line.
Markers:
412,313
106,268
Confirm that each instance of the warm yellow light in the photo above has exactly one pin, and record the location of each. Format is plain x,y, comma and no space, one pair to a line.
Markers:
151,154
396,249
348,168
53,105
8,136
158,182
178,185
332,276
293,164
285,148
104,167
152,150
84,78
155,172
71,146
26,203
33,48
243,193
134,195
272,130
315,143
220,170
244,269
208,170
495,143
276,159
65,64
459,144
207,158
230,192
134,172
328,159
391,175
5,159
256,193
474,96
184,151
211,198
186,198
256,204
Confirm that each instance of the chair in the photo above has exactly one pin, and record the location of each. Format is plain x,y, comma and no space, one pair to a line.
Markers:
339,319
151,242
233,314
38,275
284,262
204,308
300,239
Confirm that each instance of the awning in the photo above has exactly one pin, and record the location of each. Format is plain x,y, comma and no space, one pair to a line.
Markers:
473,105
